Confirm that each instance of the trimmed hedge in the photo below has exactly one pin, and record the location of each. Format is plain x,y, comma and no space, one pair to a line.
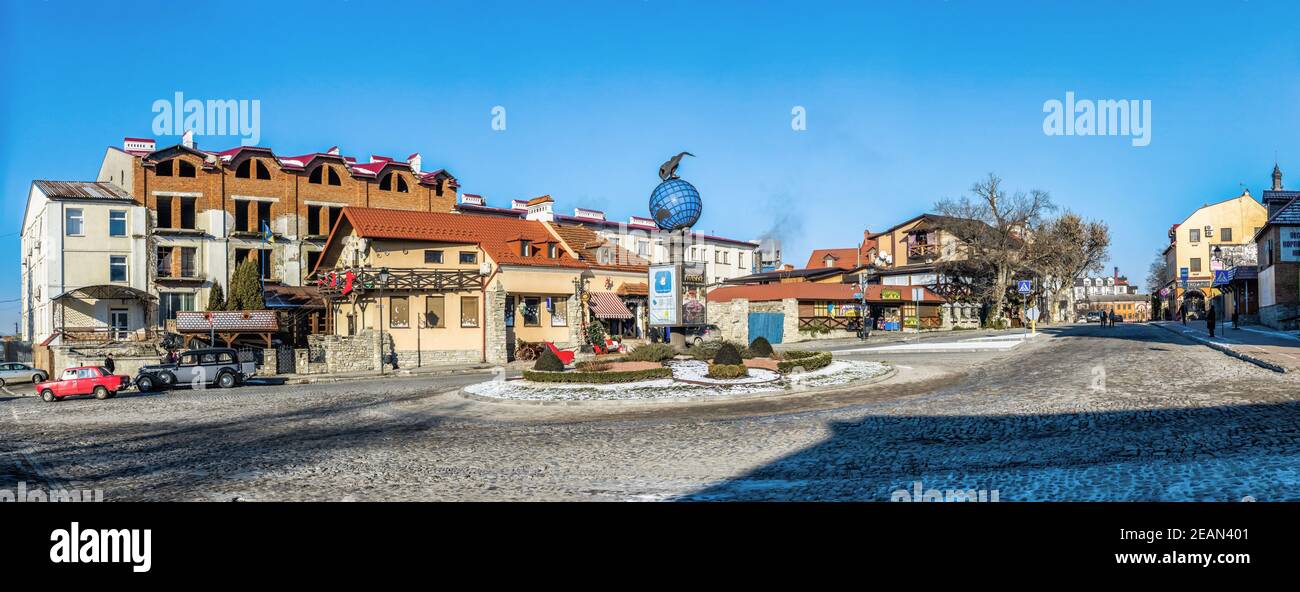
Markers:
761,347
704,352
651,352
728,355
727,370
598,377
548,362
806,359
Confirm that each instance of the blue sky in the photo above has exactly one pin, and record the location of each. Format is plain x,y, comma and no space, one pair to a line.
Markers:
907,102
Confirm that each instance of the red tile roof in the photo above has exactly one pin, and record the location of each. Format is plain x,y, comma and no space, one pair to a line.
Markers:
497,236
846,258
811,291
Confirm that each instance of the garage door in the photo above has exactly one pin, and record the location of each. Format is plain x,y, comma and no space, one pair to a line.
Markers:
768,325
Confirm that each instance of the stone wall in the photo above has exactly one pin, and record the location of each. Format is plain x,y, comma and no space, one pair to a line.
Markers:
1273,315
407,359
732,318
958,315
348,353
496,325
127,357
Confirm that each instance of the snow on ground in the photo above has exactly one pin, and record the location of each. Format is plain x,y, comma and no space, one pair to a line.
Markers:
837,373
699,372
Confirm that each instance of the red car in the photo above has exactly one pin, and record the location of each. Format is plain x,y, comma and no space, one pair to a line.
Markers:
82,380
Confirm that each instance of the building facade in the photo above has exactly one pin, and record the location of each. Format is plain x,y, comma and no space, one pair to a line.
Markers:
208,211
1278,257
84,269
1228,226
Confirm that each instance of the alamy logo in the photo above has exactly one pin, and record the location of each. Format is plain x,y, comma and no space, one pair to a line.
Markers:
920,494
74,545
1104,117
219,117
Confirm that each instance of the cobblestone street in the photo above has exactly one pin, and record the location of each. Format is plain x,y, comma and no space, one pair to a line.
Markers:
1125,413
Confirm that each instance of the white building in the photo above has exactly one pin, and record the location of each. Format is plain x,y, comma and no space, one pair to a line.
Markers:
84,264
1085,287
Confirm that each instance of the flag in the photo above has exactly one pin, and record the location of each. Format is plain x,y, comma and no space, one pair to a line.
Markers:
267,235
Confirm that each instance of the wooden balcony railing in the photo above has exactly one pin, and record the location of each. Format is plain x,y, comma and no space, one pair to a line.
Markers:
926,252
844,323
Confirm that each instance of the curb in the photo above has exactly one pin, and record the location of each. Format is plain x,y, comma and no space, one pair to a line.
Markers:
1228,350
684,401
325,378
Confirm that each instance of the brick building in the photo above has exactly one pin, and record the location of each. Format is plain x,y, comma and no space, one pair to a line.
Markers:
208,211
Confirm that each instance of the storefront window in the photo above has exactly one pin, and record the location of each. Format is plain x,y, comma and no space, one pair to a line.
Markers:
433,310
469,311
399,312
532,311
510,311
558,307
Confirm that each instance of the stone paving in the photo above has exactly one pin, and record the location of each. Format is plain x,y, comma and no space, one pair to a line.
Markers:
1132,413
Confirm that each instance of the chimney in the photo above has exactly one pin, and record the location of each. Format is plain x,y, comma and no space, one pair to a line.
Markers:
540,208
138,144
187,139
518,204
639,221
586,214
414,161
1117,272
787,267
333,150
374,159
471,199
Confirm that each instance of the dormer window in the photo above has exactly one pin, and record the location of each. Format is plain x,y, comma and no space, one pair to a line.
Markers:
552,251
526,248
163,169
246,170
186,169
386,184
324,173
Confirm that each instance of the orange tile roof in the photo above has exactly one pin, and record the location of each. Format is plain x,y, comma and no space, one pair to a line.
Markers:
810,291
587,244
497,236
846,258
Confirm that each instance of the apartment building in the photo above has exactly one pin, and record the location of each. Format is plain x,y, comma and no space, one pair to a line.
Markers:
208,211
1227,227
84,266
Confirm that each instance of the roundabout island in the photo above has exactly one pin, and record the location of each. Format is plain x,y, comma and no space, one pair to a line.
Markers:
657,372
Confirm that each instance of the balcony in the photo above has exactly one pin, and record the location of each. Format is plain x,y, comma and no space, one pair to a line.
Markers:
923,252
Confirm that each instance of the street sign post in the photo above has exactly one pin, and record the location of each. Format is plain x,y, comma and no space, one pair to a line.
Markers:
1031,313
1024,286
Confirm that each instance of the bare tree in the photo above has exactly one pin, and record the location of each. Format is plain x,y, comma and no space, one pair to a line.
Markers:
1065,248
993,227
1158,273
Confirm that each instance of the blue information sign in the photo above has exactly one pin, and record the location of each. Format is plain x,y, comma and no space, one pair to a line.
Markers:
1024,286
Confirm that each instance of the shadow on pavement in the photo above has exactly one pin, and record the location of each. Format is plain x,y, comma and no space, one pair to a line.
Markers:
1220,453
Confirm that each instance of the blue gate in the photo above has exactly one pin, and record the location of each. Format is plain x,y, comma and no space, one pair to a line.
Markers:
768,325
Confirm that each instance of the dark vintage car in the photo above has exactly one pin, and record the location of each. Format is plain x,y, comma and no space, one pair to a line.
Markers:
198,367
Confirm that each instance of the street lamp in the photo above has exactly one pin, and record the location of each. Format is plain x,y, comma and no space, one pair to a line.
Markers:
383,281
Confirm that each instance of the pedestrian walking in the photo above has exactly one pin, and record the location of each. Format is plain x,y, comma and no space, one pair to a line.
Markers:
1182,313
1210,317
108,363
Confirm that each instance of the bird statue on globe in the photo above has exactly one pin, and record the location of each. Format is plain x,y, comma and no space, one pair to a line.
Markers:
674,204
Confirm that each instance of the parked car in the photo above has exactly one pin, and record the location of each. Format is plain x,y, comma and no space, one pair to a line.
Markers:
83,380
1094,316
16,372
217,365
698,334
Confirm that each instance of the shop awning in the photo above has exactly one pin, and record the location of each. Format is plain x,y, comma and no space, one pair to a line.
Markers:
607,305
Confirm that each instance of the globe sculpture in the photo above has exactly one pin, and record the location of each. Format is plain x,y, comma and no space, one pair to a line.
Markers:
675,205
